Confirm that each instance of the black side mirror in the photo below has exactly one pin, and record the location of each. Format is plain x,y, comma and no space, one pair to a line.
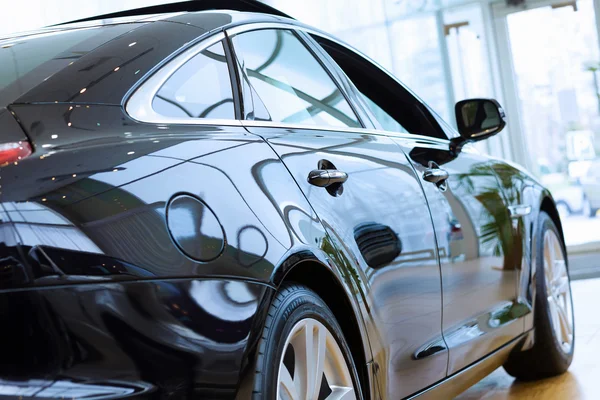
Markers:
478,119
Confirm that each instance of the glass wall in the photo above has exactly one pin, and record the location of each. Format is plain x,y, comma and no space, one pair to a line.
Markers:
417,59
555,61
468,52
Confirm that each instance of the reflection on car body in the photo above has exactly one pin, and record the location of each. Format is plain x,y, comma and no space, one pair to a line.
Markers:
198,190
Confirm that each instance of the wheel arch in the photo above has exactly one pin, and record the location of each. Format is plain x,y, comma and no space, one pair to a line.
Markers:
548,205
541,200
308,270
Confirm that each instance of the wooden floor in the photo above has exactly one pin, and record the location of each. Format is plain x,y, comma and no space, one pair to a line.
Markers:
582,381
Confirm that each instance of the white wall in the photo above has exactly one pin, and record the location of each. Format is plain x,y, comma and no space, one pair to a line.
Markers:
25,15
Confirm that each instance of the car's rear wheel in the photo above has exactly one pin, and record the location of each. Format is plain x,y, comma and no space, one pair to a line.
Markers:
554,344
302,352
313,362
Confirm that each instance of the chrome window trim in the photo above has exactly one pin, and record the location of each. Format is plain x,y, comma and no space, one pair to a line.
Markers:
399,135
255,26
139,105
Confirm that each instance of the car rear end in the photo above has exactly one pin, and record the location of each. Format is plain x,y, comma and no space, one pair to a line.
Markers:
96,300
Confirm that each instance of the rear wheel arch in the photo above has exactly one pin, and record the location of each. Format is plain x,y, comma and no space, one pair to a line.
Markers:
320,279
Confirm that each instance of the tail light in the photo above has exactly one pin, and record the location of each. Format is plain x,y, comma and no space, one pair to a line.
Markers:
13,152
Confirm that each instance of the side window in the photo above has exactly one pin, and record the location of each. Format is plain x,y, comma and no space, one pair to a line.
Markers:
291,83
200,88
385,120
394,107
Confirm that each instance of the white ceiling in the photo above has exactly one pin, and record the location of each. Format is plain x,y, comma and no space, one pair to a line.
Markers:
25,15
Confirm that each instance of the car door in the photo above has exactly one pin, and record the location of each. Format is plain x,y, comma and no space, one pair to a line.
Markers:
479,256
478,252
367,196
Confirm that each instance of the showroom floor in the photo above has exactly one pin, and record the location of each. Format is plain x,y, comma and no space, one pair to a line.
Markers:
581,382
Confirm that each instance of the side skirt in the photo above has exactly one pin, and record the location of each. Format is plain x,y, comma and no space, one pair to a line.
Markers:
467,377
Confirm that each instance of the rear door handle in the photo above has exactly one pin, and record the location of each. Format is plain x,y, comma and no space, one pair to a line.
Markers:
326,177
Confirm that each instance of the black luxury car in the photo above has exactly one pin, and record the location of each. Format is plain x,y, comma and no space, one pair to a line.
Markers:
210,200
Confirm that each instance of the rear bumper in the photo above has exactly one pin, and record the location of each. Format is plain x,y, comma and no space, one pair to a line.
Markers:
152,337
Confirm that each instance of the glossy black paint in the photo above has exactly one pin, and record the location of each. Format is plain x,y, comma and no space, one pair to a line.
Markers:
110,179
140,259
93,79
11,131
403,294
155,339
519,187
476,249
88,214
207,228
135,55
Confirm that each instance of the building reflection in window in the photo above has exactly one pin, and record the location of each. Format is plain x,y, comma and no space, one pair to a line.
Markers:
290,81
201,88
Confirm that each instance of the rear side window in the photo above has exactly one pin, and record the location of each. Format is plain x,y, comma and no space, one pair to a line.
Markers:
290,81
201,88
26,61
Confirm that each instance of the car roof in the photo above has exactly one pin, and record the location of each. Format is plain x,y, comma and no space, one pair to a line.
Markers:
193,5
106,74
159,32
156,13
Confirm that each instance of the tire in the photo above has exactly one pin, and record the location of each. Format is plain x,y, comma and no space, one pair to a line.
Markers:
551,354
297,307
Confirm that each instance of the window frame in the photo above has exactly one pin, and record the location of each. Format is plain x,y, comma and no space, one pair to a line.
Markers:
138,101
441,125
298,34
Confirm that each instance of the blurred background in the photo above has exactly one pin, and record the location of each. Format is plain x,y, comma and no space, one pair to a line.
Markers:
539,58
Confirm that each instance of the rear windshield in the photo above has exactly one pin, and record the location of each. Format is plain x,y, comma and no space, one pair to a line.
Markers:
26,61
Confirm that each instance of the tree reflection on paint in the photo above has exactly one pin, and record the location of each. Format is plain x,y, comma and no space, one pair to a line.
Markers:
497,232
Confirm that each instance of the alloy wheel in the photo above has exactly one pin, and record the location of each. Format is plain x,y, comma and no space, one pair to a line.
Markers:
313,365
558,291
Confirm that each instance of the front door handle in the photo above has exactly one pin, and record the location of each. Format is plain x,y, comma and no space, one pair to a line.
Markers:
326,177
435,175
519,210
